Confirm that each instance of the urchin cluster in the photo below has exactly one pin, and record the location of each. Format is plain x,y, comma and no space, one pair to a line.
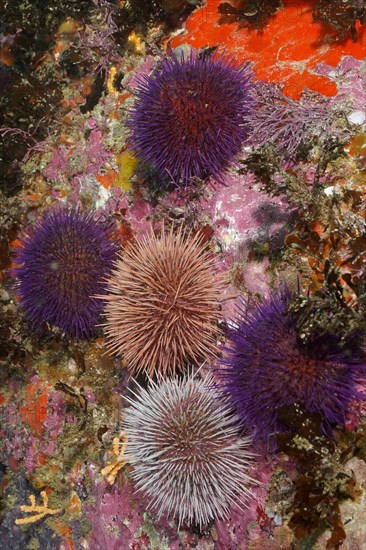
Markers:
60,266
162,304
188,119
185,451
267,366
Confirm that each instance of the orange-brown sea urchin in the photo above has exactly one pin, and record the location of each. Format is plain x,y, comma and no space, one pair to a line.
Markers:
163,304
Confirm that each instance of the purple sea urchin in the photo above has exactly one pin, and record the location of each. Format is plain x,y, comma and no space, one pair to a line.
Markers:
60,266
267,366
188,119
185,450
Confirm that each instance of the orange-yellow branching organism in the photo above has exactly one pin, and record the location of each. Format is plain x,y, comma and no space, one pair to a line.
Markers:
119,446
39,512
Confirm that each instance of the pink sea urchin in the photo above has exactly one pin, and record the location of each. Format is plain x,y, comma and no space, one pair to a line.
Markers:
185,451
162,303
188,119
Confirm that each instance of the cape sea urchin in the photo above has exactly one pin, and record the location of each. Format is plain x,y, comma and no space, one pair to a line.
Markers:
60,265
188,119
163,304
185,451
267,366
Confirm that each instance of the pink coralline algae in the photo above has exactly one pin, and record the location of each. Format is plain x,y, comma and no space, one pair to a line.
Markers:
119,518
57,166
350,75
242,215
83,158
286,123
116,516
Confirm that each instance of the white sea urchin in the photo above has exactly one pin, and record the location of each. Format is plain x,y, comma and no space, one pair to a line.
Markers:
185,451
